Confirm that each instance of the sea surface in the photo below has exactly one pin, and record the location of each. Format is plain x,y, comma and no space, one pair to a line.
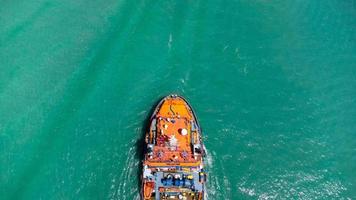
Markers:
273,84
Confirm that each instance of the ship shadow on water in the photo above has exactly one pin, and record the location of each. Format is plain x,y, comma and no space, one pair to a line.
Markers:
140,144
140,150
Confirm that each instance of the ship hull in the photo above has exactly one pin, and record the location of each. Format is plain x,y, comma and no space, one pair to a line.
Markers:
173,165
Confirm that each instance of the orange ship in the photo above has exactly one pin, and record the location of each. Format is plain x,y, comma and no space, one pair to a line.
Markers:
173,165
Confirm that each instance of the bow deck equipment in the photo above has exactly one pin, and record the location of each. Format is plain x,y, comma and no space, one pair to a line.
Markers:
173,162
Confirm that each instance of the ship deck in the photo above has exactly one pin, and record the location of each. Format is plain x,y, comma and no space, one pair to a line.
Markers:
173,117
173,164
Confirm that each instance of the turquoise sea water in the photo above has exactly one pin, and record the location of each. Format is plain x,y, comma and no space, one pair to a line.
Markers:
273,84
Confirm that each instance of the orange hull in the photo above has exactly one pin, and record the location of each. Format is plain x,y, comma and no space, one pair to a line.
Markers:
173,166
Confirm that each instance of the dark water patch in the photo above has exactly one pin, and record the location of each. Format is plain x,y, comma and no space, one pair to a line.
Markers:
27,23
79,89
